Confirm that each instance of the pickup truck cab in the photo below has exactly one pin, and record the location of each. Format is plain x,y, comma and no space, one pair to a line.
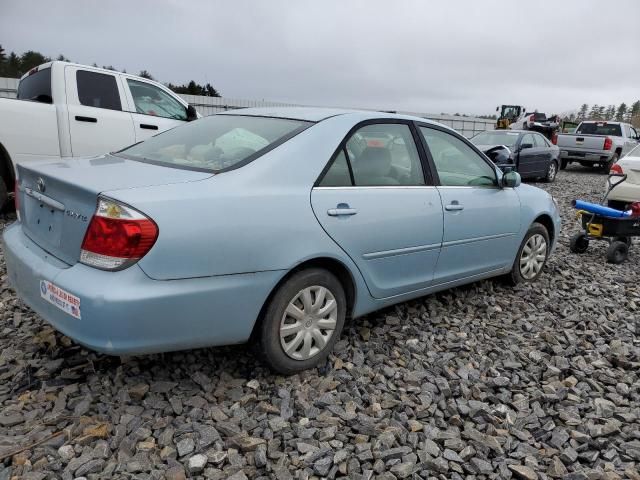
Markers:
70,110
597,143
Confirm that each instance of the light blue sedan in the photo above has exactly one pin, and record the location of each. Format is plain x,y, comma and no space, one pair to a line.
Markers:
273,225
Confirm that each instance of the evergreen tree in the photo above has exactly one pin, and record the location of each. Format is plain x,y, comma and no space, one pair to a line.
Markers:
145,74
593,113
31,59
610,113
582,113
621,113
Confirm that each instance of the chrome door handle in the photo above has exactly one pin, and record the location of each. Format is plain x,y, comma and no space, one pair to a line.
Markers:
454,207
337,212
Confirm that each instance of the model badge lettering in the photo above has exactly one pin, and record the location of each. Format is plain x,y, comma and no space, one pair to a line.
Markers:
75,215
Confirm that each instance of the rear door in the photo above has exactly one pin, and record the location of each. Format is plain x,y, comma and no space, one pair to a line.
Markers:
481,219
153,109
96,104
379,204
630,139
543,154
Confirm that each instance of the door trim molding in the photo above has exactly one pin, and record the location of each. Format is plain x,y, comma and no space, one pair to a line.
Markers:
400,251
476,239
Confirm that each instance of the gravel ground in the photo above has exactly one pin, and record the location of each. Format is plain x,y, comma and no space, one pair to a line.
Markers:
483,381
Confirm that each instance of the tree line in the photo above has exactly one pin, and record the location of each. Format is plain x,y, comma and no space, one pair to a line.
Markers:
14,65
621,113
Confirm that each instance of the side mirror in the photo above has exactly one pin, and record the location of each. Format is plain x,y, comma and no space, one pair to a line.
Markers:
526,145
511,179
192,113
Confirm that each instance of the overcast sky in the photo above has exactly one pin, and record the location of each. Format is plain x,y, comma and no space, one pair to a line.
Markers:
423,56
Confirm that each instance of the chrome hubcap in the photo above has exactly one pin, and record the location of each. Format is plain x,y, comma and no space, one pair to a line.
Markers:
552,171
308,322
533,256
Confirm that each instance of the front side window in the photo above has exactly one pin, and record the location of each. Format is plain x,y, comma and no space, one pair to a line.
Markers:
151,100
36,87
98,90
215,143
540,141
528,141
457,164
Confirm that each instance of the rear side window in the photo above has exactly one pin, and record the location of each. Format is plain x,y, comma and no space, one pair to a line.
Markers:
36,87
215,143
600,128
98,90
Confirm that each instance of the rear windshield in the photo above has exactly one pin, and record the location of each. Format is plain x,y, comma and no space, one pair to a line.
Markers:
539,117
496,138
36,87
215,143
600,128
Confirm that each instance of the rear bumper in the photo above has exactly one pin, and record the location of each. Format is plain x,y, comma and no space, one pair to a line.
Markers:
586,156
126,312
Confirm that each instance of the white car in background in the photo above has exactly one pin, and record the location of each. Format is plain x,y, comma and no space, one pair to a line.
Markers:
629,190
68,110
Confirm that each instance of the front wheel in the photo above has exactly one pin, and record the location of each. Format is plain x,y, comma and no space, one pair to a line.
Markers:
532,255
552,171
303,321
617,252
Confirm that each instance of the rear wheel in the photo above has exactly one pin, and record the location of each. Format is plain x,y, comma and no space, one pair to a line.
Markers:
552,171
579,243
303,321
605,167
532,255
617,252
4,195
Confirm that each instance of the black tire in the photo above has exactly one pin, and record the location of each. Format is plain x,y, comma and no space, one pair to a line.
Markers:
4,196
579,243
552,171
268,338
563,164
617,252
626,240
586,164
605,167
516,275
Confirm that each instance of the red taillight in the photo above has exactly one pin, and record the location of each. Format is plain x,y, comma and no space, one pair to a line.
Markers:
554,138
117,237
607,143
532,118
616,169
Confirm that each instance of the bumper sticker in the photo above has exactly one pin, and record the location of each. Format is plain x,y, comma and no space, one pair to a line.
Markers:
62,299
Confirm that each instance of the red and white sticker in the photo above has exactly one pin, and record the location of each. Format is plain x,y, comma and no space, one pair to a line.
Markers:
62,299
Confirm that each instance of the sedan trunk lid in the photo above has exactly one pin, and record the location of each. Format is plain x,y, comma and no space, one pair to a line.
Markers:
57,199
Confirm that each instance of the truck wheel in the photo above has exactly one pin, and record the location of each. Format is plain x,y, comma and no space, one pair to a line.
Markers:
607,166
579,243
563,164
617,252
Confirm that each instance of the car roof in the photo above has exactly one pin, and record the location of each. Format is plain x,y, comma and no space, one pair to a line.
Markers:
317,114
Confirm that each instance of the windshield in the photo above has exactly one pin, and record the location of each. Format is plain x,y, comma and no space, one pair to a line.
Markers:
496,138
215,143
599,128
36,87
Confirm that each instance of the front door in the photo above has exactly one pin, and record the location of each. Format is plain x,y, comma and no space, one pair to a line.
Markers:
377,205
481,220
527,156
98,122
153,109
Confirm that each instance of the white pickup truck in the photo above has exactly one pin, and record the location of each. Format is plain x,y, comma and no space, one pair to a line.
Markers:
69,110
597,143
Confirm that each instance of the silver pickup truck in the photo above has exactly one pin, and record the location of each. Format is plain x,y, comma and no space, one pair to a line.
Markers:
597,143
